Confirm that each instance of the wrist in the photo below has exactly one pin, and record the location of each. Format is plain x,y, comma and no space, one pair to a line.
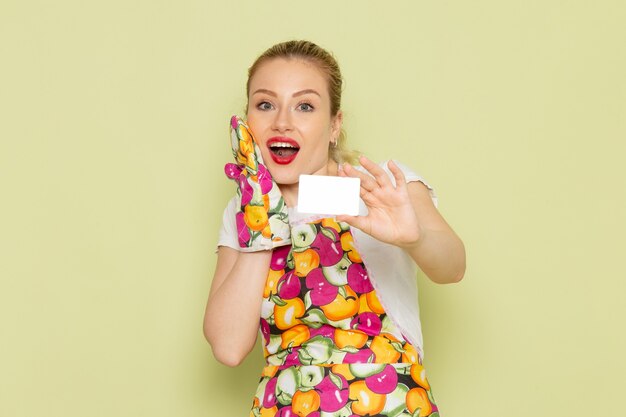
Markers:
415,245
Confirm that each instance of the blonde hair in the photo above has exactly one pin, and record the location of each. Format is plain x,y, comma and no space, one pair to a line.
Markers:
317,55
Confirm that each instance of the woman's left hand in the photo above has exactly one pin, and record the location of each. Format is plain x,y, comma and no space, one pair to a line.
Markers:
391,217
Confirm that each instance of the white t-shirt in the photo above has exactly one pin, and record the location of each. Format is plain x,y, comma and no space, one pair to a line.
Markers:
391,270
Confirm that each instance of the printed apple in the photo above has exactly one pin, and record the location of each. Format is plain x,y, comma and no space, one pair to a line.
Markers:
418,373
274,343
338,356
396,401
363,370
269,396
314,317
288,286
358,279
310,376
286,385
265,331
302,235
279,258
364,356
333,391
260,389
322,292
316,350
286,412
345,305
327,244
337,274
389,327
365,401
292,358
324,330
267,309
341,324
384,381
368,323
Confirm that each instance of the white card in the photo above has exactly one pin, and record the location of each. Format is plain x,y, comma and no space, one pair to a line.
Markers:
320,194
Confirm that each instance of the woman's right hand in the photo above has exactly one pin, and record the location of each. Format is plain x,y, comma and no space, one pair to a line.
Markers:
231,320
262,221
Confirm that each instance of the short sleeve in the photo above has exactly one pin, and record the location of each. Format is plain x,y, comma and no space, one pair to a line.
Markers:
410,177
228,231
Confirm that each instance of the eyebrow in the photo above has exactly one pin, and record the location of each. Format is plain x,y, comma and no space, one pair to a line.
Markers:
308,91
299,93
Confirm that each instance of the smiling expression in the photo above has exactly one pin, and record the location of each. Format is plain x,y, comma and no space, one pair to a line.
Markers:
289,115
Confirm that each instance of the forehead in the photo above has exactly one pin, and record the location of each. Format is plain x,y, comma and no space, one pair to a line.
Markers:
288,75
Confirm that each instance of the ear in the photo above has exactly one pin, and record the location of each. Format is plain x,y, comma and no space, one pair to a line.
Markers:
336,125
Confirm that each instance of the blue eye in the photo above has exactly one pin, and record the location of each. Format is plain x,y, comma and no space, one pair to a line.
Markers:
264,105
306,107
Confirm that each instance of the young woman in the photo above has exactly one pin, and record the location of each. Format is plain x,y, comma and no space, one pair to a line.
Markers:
336,298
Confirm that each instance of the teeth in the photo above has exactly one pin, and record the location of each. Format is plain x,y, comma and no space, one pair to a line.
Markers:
282,145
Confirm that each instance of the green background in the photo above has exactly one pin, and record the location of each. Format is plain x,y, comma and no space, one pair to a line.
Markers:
113,135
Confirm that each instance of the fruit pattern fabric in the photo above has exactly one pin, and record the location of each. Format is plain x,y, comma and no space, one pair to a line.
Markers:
262,214
331,349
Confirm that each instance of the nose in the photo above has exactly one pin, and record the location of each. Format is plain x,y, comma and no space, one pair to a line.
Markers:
282,120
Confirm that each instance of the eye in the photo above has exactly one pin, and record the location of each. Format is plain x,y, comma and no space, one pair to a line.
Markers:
264,105
306,107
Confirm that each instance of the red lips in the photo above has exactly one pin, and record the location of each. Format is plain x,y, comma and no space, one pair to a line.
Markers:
283,150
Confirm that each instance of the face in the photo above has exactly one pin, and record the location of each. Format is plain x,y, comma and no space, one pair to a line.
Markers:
289,115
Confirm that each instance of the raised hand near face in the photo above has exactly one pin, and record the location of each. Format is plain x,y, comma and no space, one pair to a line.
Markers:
262,221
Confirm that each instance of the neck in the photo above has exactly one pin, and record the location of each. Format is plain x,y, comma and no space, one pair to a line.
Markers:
290,191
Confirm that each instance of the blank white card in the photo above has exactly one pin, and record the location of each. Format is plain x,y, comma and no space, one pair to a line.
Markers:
319,194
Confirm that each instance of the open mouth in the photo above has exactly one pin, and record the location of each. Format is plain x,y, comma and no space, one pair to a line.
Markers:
283,150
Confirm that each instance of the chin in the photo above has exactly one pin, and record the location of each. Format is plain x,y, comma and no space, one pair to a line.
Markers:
284,175
286,179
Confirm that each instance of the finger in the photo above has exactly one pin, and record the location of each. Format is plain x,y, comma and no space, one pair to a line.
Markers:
340,171
367,181
355,221
369,189
381,176
398,175
369,198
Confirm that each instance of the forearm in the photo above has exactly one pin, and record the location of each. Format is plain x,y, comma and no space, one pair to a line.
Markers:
232,316
440,254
